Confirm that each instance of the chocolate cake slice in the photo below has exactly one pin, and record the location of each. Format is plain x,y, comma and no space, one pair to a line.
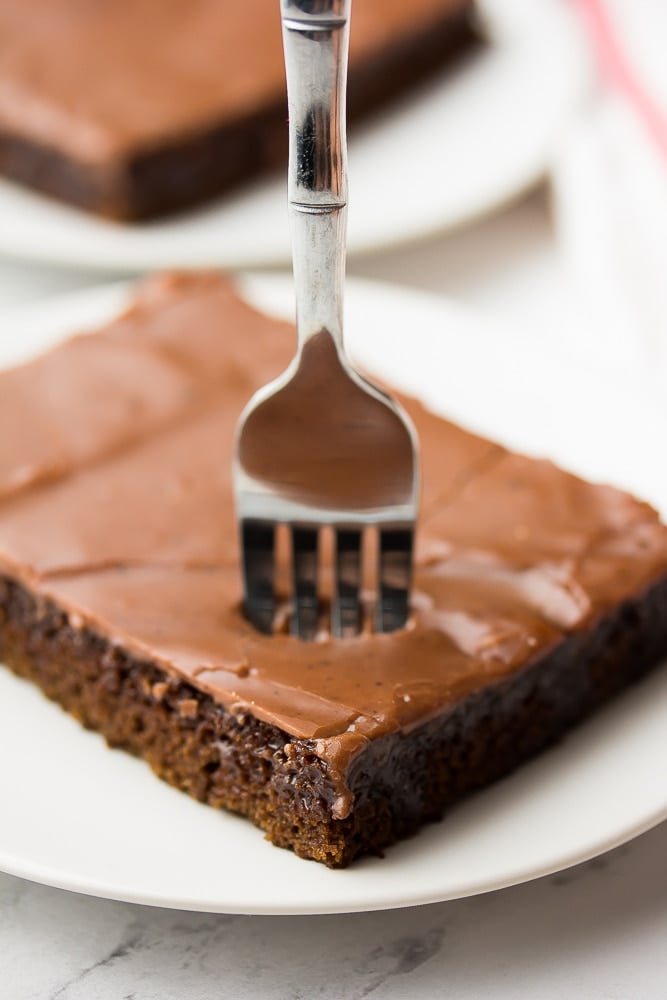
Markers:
136,108
537,595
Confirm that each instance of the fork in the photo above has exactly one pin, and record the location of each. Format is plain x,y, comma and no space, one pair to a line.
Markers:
321,448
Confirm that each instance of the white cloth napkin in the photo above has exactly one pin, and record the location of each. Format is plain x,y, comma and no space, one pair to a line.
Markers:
610,189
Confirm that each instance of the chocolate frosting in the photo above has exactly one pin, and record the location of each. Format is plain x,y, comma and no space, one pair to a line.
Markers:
102,79
116,502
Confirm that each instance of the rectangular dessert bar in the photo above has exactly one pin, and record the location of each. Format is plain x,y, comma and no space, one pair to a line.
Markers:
136,108
537,595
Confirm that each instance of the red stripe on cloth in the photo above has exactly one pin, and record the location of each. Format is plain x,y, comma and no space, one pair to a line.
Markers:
619,70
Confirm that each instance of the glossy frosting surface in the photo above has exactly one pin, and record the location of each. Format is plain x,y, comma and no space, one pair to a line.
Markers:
115,500
101,78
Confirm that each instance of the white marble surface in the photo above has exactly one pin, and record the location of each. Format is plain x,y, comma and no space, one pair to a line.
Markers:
596,932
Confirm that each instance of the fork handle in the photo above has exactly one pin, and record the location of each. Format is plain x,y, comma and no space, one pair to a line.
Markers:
316,41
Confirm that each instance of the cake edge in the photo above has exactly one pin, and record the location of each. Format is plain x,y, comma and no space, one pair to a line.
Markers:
398,783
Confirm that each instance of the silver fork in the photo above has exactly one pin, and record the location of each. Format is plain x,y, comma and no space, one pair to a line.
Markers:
322,446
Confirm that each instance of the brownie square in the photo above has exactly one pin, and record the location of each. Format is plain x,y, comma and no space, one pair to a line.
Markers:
136,108
537,595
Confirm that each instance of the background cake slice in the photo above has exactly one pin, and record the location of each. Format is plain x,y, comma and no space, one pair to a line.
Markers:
537,595
136,108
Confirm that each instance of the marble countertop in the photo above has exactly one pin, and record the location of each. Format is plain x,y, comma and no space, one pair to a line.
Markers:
597,931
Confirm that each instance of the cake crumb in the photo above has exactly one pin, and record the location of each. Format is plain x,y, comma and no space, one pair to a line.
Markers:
188,708
240,711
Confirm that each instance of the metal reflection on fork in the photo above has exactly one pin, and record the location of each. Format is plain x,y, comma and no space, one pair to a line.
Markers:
322,446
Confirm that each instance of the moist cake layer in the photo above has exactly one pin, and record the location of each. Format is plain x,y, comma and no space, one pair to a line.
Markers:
116,521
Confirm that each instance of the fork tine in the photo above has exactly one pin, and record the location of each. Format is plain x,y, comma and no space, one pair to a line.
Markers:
394,576
346,618
304,569
258,539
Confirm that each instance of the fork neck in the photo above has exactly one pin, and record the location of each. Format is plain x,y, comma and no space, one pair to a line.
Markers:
316,40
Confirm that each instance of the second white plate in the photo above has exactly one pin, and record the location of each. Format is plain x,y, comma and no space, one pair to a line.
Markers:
448,153
78,815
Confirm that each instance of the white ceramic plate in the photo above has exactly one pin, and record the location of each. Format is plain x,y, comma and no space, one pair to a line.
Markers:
455,149
78,815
